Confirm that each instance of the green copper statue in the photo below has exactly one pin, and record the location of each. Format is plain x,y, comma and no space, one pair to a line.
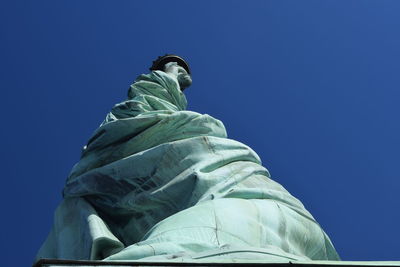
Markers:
158,183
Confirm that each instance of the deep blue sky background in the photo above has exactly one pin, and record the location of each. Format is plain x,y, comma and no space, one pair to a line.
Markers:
312,86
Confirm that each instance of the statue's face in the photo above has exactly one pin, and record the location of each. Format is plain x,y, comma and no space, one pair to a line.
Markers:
179,73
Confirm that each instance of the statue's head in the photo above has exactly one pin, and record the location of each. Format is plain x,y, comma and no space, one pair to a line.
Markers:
176,67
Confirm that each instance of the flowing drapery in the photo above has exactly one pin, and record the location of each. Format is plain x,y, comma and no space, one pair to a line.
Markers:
157,182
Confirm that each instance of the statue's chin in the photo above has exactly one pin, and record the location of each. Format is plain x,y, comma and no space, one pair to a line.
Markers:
184,81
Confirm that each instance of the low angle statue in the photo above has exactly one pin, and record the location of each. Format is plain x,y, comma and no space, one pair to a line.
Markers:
158,183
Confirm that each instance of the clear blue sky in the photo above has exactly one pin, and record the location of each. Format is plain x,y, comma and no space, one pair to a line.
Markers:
312,86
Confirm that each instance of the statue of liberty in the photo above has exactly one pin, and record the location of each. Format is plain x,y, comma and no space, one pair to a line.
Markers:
158,183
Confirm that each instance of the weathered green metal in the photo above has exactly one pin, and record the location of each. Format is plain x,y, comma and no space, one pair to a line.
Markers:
158,183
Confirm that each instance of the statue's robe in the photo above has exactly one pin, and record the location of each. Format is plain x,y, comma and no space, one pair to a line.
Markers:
156,182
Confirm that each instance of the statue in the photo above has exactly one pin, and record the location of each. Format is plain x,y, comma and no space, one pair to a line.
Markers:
158,183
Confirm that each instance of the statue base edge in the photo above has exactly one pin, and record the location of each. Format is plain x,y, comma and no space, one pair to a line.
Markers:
249,263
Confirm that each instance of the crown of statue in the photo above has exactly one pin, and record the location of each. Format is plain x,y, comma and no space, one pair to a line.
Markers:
160,62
